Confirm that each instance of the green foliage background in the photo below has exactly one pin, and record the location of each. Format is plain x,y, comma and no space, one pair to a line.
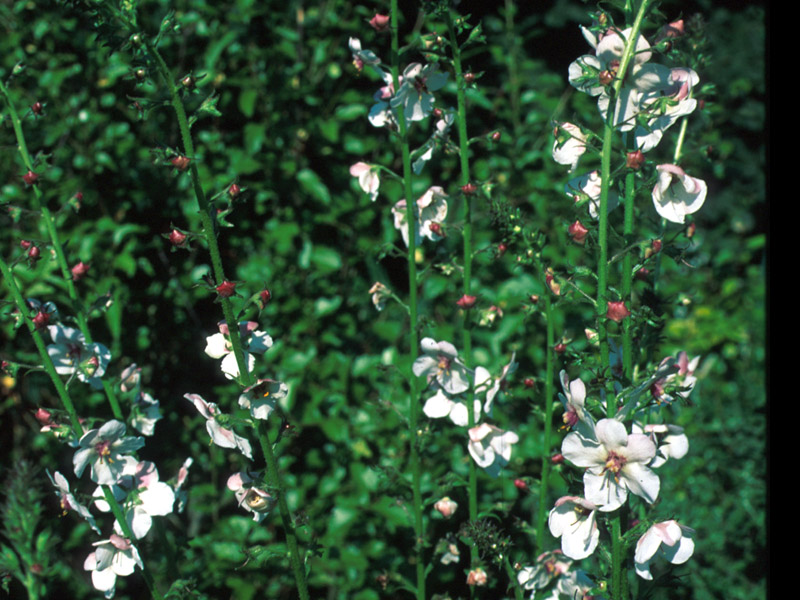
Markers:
293,119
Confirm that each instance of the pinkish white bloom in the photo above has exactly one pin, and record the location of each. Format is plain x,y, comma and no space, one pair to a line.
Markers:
484,382
451,554
380,293
477,577
68,501
446,507
115,557
263,397
549,566
71,354
254,342
146,412
684,380
253,499
615,463
439,137
569,146
573,399
414,94
442,404
431,208
674,541
368,178
670,441
677,194
221,436
664,107
130,378
106,450
587,188
362,57
440,363
575,585
490,447
573,520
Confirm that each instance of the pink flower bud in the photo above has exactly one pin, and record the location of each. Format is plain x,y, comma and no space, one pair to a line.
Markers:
560,348
44,417
521,485
634,160
557,459
36,108
469,188
79,271
25,244
436,228
226,289
467,301
380,22
446,507
578,232
177,238
617,311
496,136
34,253
40,320
264,296
234,190
180,162
502,248
477,577
469,77
30,177
529,382
554,286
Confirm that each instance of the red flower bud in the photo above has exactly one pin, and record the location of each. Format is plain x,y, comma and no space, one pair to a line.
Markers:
34,253
496,136
469,77
578,232
181,162
560,347
30,177
43,416
40,320
529,382
36,108
634,160
557,459
469,188
437,112
467,301
234,190
617,311
502,247
437,229
25,244
642,274
188,82
264,296
521,485
380,22
226,289
177,238
79,271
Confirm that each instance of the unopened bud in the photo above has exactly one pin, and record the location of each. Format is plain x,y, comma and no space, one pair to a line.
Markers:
37,108
79,271
446,507
234,190
560,348
436,228
496,136
180,162
578,232
529,382
467,301
30,177
25,244
226,289
521,485
188,82
469,188
264,296
40,320
140,74
502,247
554,286
557,459
617,311
642,274
380,22
690,230
469,77
177,238
634,160
34,253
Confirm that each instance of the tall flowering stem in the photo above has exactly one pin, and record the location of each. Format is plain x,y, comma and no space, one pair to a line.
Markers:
541,518
413,408
466,234
58,249
246,378
618,578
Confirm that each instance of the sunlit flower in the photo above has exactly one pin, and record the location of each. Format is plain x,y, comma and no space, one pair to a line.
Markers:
415,94
106,449
573,520
440,134
492,386
440,363
569,146
575,585
573,399
615,463
548,567
684,379
146,412
665,106
220,435
68,501
587,188
431,209
71,354
368,178
362,57
253,499
675,541
490,447
263,397
254,342
670,441
676,194
446,507
115,557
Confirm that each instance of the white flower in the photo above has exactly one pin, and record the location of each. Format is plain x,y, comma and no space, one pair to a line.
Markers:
220,435
685,379
441,131
484,382
262,397
251,498
549,565
368,179
68,501
573,520
569,146
490,447
573,399
105,448
145,414
676,194
665,107
588,187
440,362
414,94
379,295
115,557
670,441
71,354
362,57
615,463
431,209
219,346
442,404
674,540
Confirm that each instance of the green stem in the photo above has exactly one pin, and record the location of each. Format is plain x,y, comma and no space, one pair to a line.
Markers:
548,419
411,219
